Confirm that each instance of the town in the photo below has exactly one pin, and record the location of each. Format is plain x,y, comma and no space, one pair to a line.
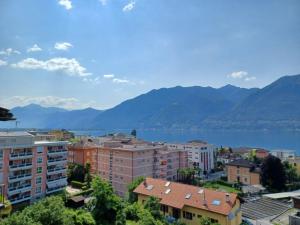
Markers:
176,183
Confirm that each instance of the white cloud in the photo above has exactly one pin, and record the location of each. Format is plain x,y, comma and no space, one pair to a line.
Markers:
129,6
34,48
108,76
62,46
46,101
122,81
96,80
3,63
68,66
103,2
66,3
250,78
238,75
9,51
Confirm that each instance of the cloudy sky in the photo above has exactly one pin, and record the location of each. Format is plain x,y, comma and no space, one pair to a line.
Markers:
98,53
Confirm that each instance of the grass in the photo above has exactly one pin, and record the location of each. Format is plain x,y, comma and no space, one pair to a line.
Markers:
219,186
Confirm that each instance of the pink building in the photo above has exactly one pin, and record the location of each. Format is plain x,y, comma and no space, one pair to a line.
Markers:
31,169
121,165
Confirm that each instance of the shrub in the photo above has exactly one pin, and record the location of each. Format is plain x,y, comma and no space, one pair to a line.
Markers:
77,184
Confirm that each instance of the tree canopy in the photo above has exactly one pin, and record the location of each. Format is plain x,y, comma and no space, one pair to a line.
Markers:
131,196
273,175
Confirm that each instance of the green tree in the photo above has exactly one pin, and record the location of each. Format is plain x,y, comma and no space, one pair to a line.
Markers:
80,217
76,172
207,221
291,172
88,177
186,175
105,204
146,218
133,132
273,175
153,206
131,196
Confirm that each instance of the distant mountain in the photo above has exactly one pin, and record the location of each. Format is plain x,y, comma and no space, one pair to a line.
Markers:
36,116
178,107
274,107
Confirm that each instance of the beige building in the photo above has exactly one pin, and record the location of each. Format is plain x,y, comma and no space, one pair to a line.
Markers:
190,203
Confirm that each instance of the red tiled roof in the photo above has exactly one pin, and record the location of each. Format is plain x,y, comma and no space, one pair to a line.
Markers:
177,196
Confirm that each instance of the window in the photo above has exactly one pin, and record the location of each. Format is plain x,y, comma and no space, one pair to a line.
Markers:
39,160
40,149
39,170
164,208
1,153
38,190
38,180
213,220
187,215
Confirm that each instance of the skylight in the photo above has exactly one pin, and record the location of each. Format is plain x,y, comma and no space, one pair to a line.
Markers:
216,202
200,191
167,191
149,187
167,184
188,196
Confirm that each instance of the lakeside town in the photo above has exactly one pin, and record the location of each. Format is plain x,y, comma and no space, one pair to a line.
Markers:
178,183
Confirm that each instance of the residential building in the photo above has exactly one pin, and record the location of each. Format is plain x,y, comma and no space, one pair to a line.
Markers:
200,154
189,203
284,155
296,163
31,169
120,159
243,171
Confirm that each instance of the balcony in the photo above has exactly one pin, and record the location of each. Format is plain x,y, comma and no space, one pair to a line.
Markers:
55,171
20,199
57,152
22,166
19,177
57,179
21,155
19,189
54,189
56,161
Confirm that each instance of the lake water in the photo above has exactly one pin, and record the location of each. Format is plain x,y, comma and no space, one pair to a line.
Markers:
268,140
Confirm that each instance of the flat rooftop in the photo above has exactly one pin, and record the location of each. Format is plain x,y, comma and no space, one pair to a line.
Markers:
51,142
14,134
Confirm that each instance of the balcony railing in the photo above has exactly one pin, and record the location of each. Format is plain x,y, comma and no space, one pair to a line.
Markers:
57,151
19,189
54,189
56,170
19,177
21,155
20,166
54,161
56,179
20,199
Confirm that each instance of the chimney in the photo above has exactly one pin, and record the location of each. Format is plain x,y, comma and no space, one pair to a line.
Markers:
227,197
145,183
204,200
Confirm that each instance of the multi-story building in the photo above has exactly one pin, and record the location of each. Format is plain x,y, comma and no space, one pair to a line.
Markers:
120,160
284,155
31,169
200,154
190,203
243,171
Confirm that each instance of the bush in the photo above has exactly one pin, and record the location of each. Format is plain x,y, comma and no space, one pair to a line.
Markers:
84,193
77,184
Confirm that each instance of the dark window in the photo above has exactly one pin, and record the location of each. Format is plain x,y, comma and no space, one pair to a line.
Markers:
187,215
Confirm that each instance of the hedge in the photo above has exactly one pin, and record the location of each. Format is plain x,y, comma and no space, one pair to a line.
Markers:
77,184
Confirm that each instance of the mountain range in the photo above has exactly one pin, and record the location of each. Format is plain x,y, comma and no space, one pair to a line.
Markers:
274,107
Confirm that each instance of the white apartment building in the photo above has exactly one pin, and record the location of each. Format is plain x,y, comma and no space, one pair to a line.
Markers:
200,154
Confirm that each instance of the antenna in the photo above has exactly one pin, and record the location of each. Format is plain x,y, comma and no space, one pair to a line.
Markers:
17,122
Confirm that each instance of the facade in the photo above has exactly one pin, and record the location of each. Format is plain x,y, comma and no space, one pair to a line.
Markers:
200,154
120,160
243,171
295,163
189,203
31,169
284,154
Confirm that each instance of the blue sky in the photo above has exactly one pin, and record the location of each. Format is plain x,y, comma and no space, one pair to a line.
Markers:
92,53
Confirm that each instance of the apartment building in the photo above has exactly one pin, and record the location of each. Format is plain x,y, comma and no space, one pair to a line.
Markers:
190,203
120,160
31,169
200,154
243,171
